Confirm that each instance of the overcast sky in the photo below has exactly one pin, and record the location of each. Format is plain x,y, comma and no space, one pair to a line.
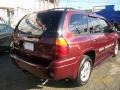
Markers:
88,4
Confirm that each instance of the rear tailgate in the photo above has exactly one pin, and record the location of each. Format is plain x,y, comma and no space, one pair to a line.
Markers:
43,47
36,34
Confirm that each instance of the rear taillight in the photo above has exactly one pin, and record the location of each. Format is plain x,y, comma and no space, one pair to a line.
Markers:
61,47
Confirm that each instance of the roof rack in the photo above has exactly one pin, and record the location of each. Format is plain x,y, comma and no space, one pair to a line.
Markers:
64,9
95,15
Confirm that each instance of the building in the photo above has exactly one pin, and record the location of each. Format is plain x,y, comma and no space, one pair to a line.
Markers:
13,10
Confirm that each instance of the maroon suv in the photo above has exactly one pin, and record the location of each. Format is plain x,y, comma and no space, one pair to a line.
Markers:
62,44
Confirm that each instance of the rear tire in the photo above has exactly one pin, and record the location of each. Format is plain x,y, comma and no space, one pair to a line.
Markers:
84,71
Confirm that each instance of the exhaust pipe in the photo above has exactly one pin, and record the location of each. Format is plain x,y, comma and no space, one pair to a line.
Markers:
45,82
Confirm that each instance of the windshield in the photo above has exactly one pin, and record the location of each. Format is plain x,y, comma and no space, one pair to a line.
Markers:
37,23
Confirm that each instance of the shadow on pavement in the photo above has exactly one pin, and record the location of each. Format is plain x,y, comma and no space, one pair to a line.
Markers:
62,84
14,79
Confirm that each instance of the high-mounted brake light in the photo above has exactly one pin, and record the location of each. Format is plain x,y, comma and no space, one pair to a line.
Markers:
61,47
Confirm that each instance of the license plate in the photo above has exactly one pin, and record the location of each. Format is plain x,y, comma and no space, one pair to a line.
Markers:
28,46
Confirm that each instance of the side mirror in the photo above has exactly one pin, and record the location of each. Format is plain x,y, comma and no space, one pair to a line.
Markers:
110,30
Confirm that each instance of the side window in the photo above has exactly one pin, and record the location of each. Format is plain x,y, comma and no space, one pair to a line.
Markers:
94,25
78,24
104,26
90,25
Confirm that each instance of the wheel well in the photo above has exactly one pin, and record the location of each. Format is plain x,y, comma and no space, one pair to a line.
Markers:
91,54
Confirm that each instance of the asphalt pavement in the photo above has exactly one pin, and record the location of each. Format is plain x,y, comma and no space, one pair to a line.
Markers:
106,76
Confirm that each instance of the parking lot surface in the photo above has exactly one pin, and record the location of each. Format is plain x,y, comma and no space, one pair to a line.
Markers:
106,76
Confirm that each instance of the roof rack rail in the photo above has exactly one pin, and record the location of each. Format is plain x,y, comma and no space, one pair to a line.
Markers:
95,15
65,9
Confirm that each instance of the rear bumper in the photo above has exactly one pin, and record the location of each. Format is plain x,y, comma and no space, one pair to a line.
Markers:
60,69
37,70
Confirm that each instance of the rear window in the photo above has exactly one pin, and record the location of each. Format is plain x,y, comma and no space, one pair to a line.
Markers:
38,23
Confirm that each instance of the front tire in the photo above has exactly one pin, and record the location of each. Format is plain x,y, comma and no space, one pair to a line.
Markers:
85,69
115,50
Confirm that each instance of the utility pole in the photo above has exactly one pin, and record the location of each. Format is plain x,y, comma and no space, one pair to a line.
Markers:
57,2
39,5
48,3
44,4
54,3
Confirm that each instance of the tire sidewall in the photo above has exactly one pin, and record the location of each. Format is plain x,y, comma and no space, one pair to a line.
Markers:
114,53
84,59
